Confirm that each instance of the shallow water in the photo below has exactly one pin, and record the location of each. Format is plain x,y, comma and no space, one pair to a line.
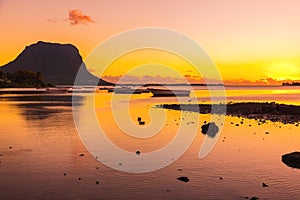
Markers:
39,144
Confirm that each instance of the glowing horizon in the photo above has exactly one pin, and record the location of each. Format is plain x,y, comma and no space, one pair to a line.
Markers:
251,42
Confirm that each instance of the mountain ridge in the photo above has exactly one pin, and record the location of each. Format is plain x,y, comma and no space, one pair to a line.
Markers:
58,63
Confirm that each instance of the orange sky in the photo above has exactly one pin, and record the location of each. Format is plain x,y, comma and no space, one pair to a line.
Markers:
250,41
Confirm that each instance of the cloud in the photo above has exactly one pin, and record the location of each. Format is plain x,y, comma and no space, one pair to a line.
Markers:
263,81
51,20
77,17
129,79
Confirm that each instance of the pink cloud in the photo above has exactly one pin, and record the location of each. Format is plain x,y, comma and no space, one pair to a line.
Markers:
77,17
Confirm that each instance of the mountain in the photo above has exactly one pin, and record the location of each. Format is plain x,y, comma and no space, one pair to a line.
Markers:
58,63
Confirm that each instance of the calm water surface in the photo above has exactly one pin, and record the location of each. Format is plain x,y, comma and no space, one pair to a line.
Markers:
40,148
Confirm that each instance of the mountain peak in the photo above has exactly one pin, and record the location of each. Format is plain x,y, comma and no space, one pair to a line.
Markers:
59,63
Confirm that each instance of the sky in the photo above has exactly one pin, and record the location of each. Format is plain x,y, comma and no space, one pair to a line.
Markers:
250,41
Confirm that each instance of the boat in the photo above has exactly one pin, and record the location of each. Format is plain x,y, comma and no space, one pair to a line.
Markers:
57,90
168,93
82,90
107,88
127,90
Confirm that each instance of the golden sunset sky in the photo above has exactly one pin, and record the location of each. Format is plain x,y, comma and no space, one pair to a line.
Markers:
251,41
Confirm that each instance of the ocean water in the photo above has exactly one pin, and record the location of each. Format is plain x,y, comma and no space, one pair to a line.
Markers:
41,148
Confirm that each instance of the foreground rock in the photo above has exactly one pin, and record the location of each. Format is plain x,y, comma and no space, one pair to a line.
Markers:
211,129
292,159
183,179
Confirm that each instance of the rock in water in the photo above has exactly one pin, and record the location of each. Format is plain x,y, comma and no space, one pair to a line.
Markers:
264,185
183,179
211,129
292,159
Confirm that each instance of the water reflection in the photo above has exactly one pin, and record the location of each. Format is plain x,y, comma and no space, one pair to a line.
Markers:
42,98
45,146
37,112
39,107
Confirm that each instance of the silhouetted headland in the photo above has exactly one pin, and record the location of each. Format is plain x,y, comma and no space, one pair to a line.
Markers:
59,64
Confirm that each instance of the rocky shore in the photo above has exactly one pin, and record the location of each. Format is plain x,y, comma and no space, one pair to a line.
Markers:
253,110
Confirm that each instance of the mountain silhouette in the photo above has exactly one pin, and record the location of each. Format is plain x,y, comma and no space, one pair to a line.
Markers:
58,63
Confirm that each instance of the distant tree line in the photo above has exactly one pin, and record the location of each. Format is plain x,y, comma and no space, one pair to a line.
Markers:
22,78
291,84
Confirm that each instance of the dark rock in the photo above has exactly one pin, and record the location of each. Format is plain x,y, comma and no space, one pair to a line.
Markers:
265,185
137,152
183,179
141,123
211,129
254,198
79,179
139,119
10,147
65,174
81,154
97,182
292,159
